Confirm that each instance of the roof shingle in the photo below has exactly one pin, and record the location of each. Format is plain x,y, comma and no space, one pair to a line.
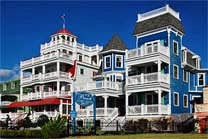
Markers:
158,22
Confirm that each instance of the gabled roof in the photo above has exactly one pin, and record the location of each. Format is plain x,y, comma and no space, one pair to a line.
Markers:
158,22
115,44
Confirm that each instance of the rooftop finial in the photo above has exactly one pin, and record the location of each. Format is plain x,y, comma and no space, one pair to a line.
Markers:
63,17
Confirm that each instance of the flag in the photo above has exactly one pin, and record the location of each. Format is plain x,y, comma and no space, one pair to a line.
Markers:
72,70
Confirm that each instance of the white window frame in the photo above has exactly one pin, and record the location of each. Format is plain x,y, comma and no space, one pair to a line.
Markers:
105,62
203,79
177,98
186,76
184,101
174,65
12,85
4,87
177,48
121,61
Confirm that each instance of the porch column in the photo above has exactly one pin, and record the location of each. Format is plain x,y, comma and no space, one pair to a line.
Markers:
61,107
159,101
127,71
105,105
127,102
58,88
159,70
58,68
33,70
21,93
43,69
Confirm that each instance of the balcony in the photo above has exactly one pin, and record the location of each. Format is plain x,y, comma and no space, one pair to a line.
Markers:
99,85
44,77
148,78
47,57
148,51
148,109
39,95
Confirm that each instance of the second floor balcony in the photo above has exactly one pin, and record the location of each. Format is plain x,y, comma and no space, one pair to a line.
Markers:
99,85
44,77
148,78
42,95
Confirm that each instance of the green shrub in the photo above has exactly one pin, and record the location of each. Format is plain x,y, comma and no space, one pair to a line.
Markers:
20,133
55,128
42,120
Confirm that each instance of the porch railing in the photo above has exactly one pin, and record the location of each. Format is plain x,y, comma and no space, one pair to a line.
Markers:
148,50
99,85
39,95
46,76
99,112
148,109
148,78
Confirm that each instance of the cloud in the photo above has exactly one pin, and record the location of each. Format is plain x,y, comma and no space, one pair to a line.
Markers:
5,72
9,74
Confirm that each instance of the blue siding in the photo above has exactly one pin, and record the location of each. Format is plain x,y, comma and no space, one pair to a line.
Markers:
192,82
158,36
177,85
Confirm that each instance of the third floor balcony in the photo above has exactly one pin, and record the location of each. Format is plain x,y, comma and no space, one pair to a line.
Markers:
149,51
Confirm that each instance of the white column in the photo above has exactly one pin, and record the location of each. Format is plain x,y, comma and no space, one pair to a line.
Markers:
58,68
61,107
105,105
127,103
159,101
33,70
127,74
21,92
159,70
58,88
43,69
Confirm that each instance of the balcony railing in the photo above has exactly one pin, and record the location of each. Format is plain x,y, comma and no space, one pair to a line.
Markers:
99,85
46,76
148,50
99,112
39,95
148,109
148,78
46,57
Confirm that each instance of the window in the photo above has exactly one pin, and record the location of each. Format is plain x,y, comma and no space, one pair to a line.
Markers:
80,57
175,47
4,87
201,79
12,85
107,62
176,99
119,60
185,101
82,71
175,72
185,76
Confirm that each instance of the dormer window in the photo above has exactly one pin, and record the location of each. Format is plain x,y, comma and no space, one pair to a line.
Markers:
68,38
107,62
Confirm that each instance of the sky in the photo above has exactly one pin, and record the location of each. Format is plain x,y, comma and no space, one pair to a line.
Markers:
26,25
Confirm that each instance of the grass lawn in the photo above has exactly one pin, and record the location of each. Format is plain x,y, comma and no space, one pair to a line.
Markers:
147,136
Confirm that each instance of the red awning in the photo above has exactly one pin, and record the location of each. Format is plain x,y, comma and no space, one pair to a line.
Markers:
47,101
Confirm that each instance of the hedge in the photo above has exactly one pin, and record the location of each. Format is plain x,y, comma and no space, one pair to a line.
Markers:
20,133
